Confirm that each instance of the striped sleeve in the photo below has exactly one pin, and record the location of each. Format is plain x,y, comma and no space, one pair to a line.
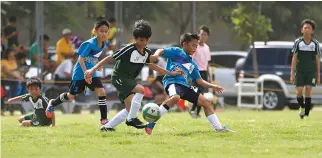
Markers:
318,49
296,45
45,100
121,52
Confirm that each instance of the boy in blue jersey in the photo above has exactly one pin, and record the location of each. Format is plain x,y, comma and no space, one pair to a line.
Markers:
177,87
89,52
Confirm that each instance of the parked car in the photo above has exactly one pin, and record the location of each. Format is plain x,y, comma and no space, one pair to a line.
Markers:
273,66
222,72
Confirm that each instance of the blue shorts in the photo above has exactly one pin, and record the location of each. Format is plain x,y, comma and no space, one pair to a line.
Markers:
78,86
184,92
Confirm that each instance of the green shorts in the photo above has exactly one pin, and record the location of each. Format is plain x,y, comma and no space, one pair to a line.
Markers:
35,121
124,86
305,79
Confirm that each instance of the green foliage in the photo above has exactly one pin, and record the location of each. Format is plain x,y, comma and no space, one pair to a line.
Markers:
249,25
133,11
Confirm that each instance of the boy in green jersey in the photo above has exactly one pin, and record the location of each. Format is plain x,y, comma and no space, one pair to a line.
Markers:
305,68
39,103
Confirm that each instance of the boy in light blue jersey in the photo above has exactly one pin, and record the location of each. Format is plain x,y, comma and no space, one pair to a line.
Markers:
89,52
177,87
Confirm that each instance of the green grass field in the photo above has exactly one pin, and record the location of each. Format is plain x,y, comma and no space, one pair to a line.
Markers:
259,134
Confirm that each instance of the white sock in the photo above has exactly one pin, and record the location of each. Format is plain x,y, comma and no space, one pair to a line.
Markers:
213,119
117,119
163,110
135,106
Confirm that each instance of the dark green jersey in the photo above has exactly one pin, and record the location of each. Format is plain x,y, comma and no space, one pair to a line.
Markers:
306,54
40,104
129,61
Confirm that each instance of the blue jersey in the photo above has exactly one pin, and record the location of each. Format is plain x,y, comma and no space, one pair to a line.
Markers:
90,51
178,59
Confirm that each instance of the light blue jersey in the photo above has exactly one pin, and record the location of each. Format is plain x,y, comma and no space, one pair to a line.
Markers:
90,51
178,59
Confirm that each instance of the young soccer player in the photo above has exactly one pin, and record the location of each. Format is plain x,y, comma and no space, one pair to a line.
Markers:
177,86
305,68
88,53
129,63
38,101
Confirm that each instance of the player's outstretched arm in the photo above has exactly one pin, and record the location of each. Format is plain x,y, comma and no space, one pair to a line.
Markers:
318,70
18,98
100,64
163,71
206,84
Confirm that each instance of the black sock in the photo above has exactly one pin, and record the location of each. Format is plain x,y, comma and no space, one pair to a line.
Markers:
198,109
166,106
103,107
194,106
307,106
300,100
60,99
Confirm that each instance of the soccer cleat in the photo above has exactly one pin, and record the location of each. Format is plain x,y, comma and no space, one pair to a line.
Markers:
50,109
224,129
135,122
149,127
104,121
106,129
302,112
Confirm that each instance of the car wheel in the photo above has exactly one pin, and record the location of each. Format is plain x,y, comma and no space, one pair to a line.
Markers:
273,98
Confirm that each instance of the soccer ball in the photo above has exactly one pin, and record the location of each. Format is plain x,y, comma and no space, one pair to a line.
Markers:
209,96
151,112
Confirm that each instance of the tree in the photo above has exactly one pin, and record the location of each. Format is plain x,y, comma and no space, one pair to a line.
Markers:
286,17
179,13
249,24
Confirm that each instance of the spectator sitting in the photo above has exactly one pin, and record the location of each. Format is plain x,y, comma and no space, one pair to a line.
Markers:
33,51
64,70
11,33
9,73
49,66
64,47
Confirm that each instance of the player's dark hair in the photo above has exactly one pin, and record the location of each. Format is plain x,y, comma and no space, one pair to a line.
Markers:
204,28
12,19
308,21
100,23
142,29
188,37
34,81
111,20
